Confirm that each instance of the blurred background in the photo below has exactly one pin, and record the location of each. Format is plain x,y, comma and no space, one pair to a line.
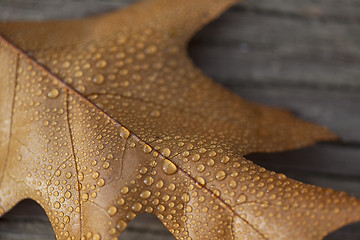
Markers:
300,55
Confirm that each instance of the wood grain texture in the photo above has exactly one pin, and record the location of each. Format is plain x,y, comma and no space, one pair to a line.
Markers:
300,55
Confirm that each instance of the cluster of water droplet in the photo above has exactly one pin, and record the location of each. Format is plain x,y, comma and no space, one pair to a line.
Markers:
129,125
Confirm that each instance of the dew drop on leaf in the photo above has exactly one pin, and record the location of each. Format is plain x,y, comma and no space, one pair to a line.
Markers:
220,175
124,133
200,182
121,225
145,194
242,198
137,207
166,152
169,167
112,210
98,79
53,93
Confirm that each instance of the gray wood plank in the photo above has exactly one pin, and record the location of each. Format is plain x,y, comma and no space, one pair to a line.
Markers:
265,49
146,226
27,221
335,109
330,10
330,159
56,9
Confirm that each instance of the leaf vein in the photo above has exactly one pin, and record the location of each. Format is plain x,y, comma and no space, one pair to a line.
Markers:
11,118
67,103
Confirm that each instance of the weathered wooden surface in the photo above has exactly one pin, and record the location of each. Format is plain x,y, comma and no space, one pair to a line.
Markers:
300,55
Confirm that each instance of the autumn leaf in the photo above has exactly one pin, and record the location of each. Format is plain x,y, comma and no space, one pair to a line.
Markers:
105,118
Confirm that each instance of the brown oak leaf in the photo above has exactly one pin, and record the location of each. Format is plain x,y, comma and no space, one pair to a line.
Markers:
105,118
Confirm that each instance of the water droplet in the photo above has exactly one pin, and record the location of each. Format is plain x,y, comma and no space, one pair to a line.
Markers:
57,205
124,133
155,113
148,180
98,79
57,173
195,157
66,64
260,194
210,162
149,210
81,88
169,167
171,187
38,92
124,190
202,150
101,64
68,194
225,159
130,216
124,83
220,175
137,207
188,209
185,197
161,208
121,201
281,176
160,184
112,231
212,154
95,175
147,149
124,72
143,170
186,153
68,80
242,198
80,176
79,74
100,182
200,182
233,184
96,237
200,168
66,219
54,93
110,156
112,210
166,152
121,225
145,194
106,165
84,197
152,49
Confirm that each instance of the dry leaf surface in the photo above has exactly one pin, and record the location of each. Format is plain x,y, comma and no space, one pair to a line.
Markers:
105,118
